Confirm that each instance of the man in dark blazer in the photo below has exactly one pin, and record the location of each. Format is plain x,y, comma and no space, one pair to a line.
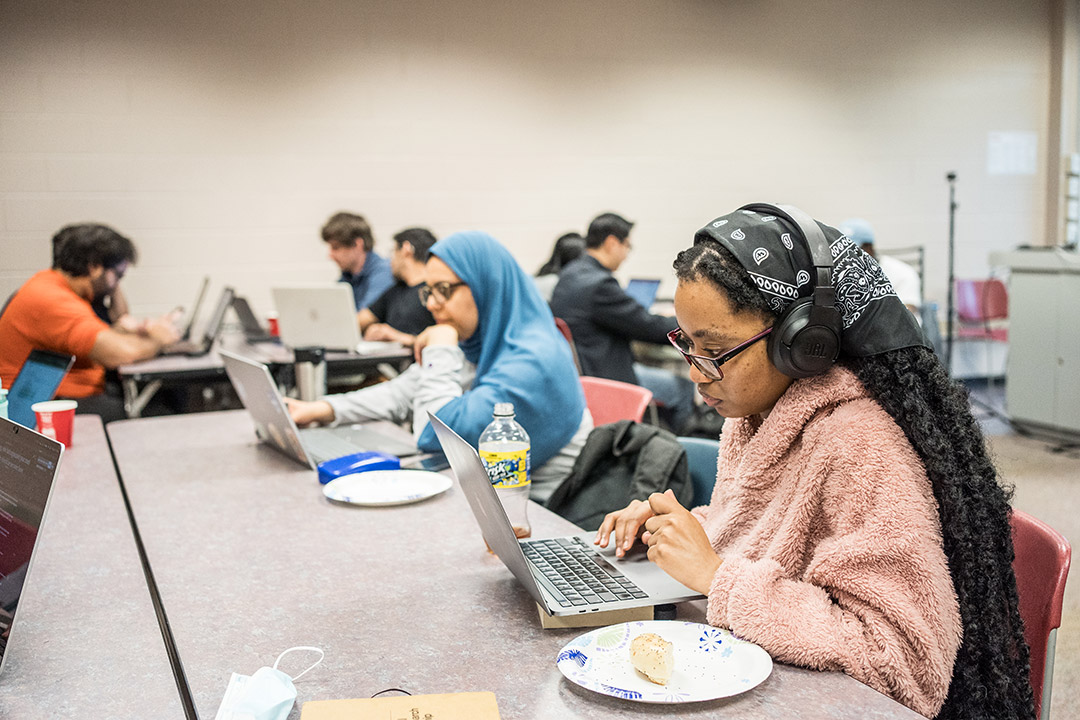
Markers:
604,319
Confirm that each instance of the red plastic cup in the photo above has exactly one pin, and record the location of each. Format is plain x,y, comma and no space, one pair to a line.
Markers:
271,321
55,419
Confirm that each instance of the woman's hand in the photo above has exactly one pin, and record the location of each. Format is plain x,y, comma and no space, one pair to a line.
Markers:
678,543
434,335
626,524
304,413
382,332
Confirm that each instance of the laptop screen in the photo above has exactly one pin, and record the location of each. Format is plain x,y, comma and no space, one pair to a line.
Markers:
317,316
28,464
36,382
642,290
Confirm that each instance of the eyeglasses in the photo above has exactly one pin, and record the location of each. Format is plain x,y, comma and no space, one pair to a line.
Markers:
709,366
441,290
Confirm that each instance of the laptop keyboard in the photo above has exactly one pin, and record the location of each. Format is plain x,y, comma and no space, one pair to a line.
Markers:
322,445
576,575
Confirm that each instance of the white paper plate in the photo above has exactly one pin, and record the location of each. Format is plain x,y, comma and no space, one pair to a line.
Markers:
387,487
710,662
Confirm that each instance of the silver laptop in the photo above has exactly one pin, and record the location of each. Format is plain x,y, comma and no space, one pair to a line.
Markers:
28,466
317,316
565,575
274,425
195,348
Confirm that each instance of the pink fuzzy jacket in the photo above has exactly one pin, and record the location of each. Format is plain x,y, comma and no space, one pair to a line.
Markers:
831,543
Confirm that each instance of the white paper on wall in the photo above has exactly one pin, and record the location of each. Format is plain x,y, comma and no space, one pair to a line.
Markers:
1011,153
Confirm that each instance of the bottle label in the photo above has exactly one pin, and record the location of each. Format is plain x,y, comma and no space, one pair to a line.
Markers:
507,469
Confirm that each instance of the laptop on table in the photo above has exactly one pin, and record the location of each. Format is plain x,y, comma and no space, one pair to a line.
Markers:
317,316
643,290
213,329
28,466
254,332
274,426
190,322
37,381
565,575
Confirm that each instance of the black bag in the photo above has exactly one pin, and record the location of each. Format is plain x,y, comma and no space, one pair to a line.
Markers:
620,462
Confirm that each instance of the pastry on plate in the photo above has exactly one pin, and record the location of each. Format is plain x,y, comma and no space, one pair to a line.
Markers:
653,657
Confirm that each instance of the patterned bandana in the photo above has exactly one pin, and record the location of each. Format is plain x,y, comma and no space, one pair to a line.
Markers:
779,262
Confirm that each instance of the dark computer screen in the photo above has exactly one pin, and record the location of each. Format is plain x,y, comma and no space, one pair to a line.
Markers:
28,464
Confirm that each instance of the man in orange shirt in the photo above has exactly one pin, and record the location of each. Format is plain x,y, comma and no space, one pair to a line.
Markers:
53,311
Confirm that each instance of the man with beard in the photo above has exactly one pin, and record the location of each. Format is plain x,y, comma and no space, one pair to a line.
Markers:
54,311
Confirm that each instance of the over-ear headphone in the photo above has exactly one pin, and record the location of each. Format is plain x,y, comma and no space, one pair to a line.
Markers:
805,340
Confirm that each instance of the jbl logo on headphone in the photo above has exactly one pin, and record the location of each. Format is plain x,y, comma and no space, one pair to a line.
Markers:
816,350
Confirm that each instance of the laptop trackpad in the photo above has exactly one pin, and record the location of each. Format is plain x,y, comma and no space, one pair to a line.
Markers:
636,565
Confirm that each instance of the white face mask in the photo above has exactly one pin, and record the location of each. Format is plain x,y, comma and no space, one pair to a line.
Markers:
268,694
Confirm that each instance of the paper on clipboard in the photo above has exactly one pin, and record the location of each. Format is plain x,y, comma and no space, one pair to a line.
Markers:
450,706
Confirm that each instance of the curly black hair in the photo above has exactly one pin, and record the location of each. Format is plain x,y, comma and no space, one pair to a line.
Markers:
991,672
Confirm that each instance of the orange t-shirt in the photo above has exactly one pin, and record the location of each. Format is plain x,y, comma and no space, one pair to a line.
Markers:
46,314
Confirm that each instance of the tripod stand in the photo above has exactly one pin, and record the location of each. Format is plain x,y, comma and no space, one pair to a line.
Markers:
949,310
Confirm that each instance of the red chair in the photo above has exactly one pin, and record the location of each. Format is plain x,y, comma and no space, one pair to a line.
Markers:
980,306
565,330
1041,566
611,400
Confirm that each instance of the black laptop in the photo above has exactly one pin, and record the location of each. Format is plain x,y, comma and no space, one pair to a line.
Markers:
195,348
28,467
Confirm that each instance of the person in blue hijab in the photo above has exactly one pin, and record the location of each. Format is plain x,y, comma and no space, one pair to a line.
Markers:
494,340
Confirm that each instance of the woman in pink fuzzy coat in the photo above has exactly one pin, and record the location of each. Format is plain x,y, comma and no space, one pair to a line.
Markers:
857,523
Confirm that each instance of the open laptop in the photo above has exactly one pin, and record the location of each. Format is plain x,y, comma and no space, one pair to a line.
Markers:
274,426
190,322
565,575
195,348
643,290
37,381
317,316
254,332
28,467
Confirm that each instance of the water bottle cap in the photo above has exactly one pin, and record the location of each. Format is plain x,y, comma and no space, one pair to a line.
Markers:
504,409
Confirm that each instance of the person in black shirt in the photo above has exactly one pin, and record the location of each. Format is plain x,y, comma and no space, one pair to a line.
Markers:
604,319
397,314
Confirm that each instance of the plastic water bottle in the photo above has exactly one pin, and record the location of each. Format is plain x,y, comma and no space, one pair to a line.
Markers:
504,448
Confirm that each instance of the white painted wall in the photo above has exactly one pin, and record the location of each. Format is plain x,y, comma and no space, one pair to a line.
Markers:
220,135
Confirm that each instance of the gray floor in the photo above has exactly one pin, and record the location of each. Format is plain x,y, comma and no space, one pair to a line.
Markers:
1047,481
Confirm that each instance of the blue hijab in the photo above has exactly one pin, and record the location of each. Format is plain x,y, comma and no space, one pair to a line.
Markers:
520,356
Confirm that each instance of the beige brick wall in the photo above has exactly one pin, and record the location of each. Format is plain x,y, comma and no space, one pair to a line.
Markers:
219,136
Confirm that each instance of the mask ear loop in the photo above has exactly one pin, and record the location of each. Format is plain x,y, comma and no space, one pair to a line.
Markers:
301,647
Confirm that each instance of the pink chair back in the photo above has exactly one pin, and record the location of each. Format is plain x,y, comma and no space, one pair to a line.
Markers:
978,301
611,400
1041,566
564,329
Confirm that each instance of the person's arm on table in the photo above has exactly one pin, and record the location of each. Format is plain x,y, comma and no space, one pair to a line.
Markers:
385,333
113,348
364,318
389,400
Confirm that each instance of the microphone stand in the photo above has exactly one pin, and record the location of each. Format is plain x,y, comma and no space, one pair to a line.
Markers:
951,177
994,412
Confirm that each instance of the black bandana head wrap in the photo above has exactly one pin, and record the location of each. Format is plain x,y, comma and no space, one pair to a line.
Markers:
779,262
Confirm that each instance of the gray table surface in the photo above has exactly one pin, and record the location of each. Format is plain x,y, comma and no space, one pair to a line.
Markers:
86,642
251,559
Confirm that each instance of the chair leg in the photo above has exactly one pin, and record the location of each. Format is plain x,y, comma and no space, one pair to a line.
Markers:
1048,676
